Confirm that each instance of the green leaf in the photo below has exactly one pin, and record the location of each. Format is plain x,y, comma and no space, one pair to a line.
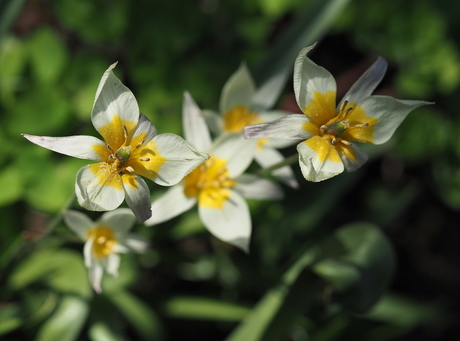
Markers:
60,269
11,184
142,318
204,309
10,318
358,260
13,61
100,331
67,321
48,55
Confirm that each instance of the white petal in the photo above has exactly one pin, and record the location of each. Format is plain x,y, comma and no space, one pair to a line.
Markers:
120,220
181,159
267,95
93,194
196,131
111,264
213,120
172,203
236,150
353,164
135,243
267,157
95,276
77,146
318,167
367,83
144,126
138,198
251,186
231,224
78,222
288,127
113,98
390,112
239,89
88,252
310,78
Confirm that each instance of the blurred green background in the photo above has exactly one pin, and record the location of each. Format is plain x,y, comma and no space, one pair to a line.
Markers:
401,208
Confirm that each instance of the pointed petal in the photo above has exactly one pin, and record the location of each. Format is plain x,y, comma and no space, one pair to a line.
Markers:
114,101
267,157
111,264
236,150
134,243
289,127
82,147
172,203
239,89
231,224
318,159
137,196
144,132
95,276
367,83
180,159
88,252
98,188
389,112
251,186
267,95
78,222
213,120
120,220
196,131
314,89
352,157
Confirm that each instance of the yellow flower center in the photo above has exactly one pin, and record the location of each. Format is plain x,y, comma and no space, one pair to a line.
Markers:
210,183
238,117
104,241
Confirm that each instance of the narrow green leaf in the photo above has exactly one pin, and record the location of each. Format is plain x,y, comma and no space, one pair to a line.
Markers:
100,331
66,323
10,318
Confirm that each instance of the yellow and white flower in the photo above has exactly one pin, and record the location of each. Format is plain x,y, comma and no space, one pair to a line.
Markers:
218,185
241,104
329,132
104,240
131,147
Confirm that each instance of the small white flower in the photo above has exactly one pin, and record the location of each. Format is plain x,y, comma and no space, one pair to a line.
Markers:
241,104
104,240
329,131
218,186
131,147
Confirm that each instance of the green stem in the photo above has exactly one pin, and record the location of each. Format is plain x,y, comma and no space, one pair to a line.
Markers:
287,161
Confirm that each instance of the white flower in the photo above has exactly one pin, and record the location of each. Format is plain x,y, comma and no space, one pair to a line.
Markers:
328,130
241,104
218,185
131,147
104,240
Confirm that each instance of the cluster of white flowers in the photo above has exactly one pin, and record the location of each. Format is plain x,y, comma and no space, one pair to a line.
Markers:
210,173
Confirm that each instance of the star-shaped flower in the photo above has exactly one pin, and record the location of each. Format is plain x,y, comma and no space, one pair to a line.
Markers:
329,131
241,104
131,147
218,185
104,240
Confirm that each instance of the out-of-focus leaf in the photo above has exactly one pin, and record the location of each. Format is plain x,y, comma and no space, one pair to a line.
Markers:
309,27
40,111
100,331
12,60
48,55
127,274
10,318
61,269
9,12
204,309
11,185
67,321
278,7
39,304
139,314
189,225
358,260
54,185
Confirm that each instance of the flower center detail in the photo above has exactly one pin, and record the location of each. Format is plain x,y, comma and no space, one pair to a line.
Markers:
104,241
238,117
339,124
210,183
